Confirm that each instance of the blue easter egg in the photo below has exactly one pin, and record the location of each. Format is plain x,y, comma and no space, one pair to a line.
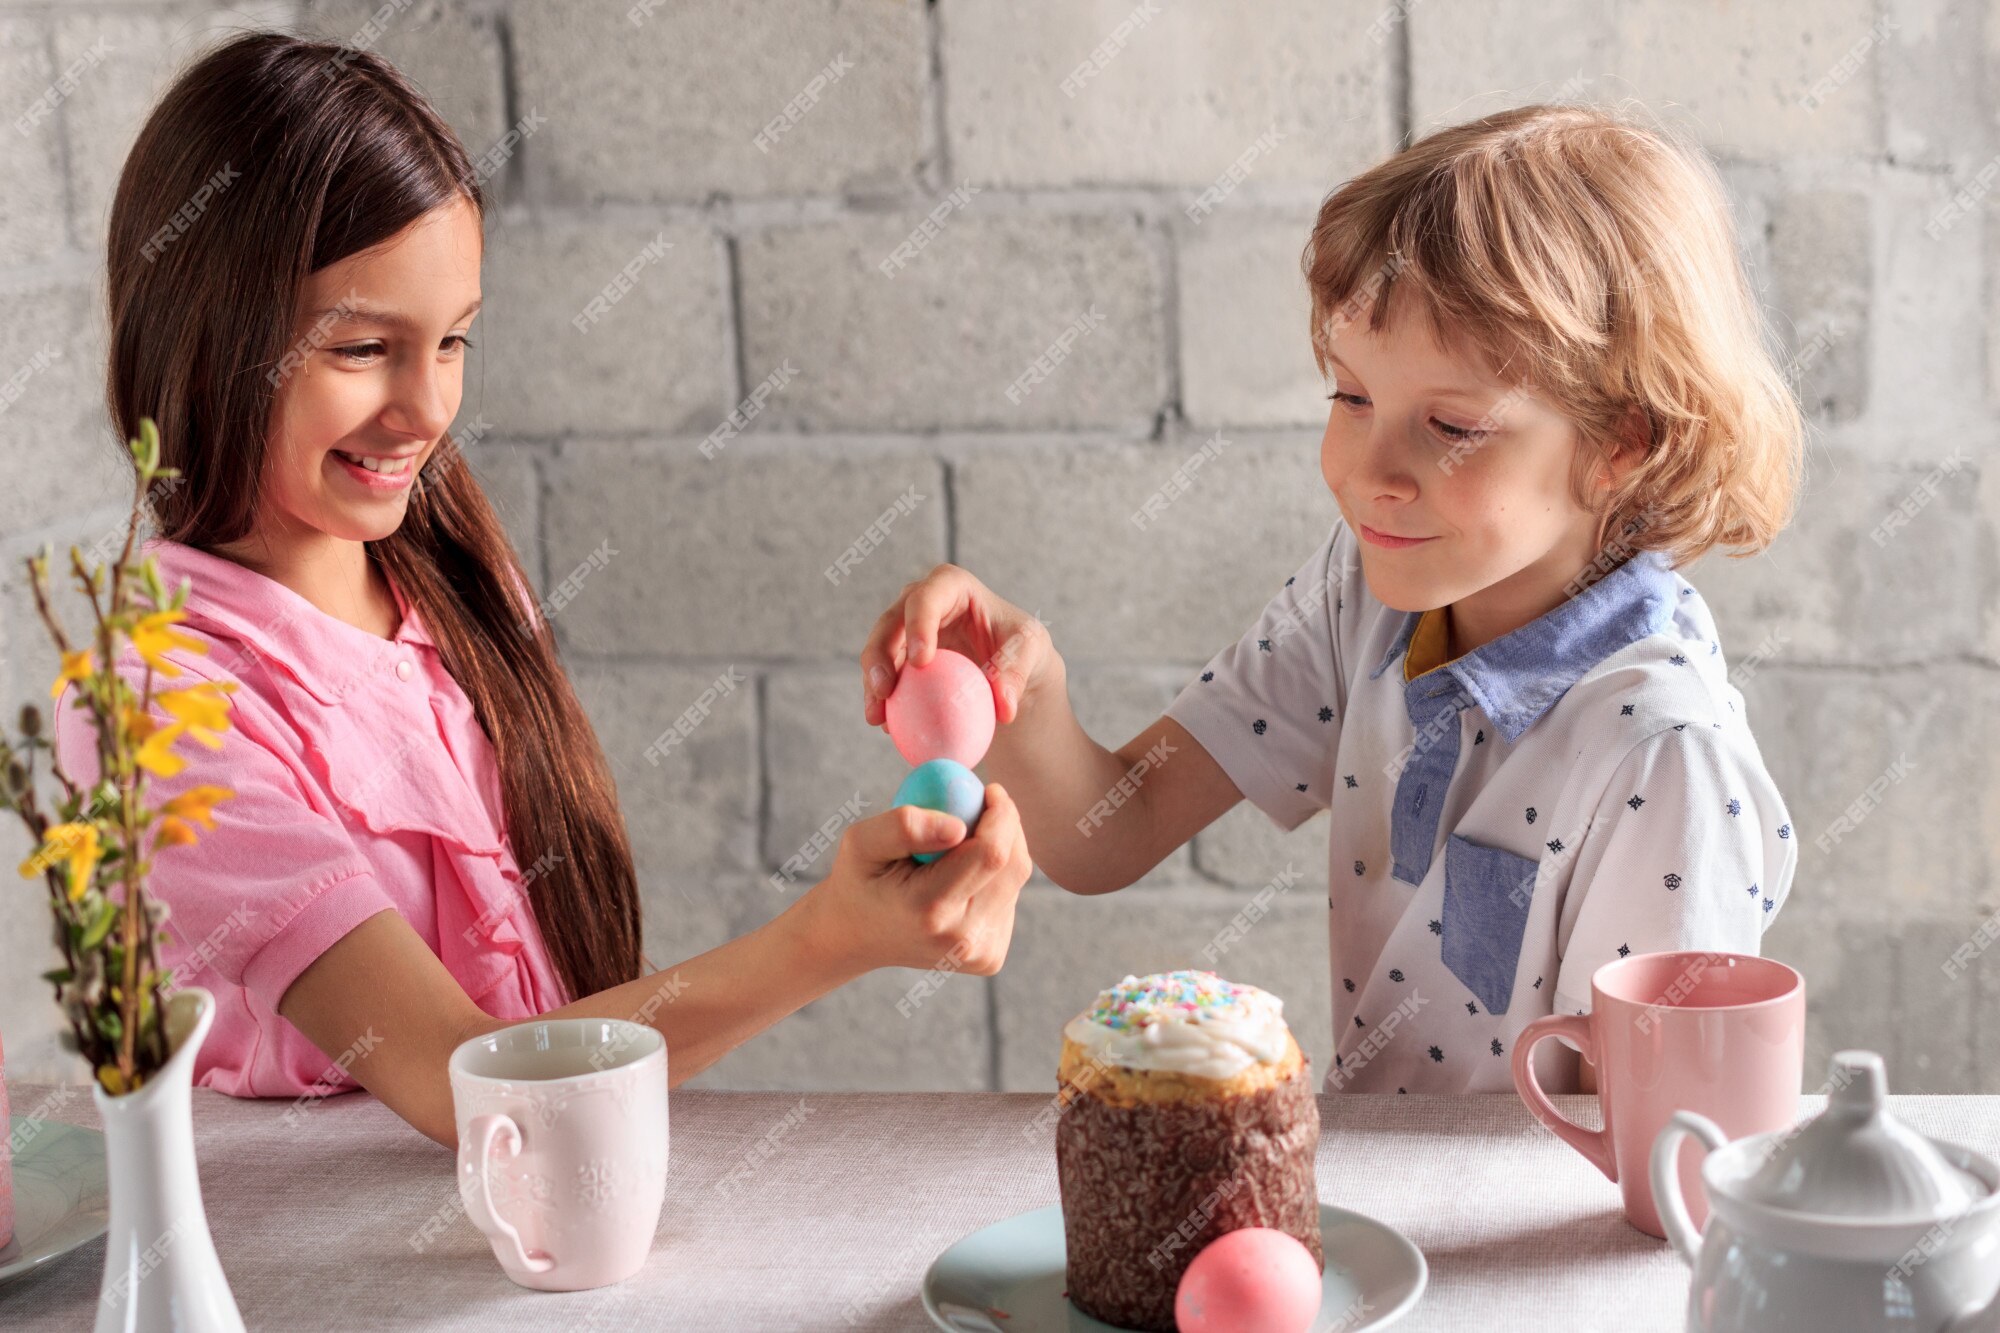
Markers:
947,785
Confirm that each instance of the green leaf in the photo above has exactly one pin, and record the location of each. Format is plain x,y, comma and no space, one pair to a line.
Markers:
61,976
149,443
107,916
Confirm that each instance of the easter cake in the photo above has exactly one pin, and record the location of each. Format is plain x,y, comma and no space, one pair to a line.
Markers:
1187,1113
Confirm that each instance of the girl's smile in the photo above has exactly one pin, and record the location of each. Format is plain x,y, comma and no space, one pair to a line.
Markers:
380,473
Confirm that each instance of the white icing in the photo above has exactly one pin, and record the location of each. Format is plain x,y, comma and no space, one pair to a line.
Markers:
1216,1043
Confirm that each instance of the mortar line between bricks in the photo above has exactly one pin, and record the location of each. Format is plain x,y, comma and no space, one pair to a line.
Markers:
934,91
992,1034
949,486
1084,198
760,720
538,494
778,443
1173,411
540,517
65,154
510,104
1401,80
732,286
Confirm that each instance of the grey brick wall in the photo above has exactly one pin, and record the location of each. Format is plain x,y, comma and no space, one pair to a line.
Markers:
1060,152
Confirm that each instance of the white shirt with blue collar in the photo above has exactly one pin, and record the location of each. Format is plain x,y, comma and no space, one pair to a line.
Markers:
1583,788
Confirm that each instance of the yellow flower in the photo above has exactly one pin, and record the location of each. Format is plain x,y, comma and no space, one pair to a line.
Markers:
204,708
198,804
156,751
176,832
75,666
75,843
154,635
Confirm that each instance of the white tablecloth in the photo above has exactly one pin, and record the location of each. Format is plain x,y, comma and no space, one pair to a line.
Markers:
322,1225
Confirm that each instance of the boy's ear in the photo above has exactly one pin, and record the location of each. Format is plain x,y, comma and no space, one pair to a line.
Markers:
1628,448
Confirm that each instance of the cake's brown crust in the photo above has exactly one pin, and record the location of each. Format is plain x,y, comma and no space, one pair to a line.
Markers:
1146,1185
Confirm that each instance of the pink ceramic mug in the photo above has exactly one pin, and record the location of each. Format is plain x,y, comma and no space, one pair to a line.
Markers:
562,1147
1718,1033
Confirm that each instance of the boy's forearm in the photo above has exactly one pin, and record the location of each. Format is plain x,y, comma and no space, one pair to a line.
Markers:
1057,775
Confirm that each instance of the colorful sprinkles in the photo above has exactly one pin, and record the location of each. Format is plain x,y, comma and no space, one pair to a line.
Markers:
1185,996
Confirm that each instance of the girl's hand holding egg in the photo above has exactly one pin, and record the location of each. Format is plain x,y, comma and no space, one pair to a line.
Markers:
945,785
877,908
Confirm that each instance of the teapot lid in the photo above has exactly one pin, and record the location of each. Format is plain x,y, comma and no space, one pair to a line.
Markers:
1859,1160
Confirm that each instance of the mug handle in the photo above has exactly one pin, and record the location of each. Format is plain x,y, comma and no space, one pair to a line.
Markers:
1594,1144
1667,1177
474,1147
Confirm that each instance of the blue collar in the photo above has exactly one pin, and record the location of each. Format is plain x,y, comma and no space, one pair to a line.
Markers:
1520,675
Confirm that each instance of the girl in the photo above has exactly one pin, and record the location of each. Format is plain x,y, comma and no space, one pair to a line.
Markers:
424,842
1549,391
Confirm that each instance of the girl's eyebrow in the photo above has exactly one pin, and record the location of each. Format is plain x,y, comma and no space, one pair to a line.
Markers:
368,312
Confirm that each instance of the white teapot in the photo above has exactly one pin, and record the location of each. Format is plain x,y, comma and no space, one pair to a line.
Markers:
1852,1221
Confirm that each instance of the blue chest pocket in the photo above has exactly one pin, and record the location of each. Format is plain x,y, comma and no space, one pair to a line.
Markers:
1487,893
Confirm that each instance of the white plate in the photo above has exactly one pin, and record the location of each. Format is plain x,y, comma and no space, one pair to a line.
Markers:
60,1197
1008,1278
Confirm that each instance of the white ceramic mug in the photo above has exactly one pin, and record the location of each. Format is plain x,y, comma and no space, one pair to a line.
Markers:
562,1147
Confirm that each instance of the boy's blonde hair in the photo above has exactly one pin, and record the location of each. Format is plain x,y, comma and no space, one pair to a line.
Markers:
1593,259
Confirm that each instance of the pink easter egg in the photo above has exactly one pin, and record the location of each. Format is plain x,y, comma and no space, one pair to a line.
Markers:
942,710
1255,1280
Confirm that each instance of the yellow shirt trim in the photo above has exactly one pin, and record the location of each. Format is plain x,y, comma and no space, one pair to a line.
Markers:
1429,643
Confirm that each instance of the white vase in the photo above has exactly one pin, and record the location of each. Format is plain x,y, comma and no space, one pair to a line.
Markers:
160,1266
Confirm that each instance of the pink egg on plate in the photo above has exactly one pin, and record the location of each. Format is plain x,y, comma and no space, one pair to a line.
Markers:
942,710
1254,1280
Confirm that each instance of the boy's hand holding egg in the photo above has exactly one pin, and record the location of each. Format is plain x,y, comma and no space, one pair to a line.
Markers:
949,609
942,709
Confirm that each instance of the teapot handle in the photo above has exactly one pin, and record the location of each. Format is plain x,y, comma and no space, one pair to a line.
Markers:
1667,1178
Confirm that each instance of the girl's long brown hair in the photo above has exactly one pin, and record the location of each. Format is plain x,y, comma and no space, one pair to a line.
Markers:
269,159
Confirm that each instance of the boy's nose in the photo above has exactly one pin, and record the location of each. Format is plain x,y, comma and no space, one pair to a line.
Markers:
1384,470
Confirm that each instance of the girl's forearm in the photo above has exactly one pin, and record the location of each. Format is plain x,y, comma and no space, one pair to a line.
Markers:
1067,787
709,1005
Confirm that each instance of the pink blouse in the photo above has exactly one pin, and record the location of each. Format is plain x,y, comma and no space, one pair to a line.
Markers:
363,784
